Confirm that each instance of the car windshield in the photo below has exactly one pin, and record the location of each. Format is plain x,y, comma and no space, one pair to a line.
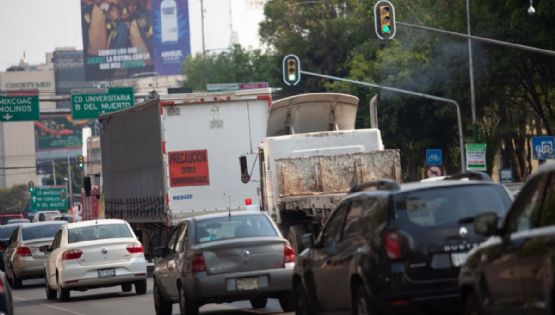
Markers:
6,231
447,205
216,229
32,231
98,232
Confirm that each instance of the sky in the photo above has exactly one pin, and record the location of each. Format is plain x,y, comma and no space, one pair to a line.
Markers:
39,26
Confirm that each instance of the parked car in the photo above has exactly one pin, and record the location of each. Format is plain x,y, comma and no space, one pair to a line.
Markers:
49,215
8,216
222,258
94,254
22,258
11,221
513,272
5,234
6,301
394,248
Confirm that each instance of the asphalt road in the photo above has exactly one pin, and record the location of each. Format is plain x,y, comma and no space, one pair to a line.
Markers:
31,300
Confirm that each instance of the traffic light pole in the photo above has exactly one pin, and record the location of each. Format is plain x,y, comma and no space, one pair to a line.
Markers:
423,95
69,181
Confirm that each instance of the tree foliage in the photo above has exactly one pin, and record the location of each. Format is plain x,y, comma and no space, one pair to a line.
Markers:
14,199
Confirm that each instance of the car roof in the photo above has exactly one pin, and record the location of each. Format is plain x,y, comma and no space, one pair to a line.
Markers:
41,223
226,214
11,225
93,222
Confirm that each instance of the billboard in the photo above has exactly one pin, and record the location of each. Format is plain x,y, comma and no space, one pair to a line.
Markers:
58,136
69,73
129,38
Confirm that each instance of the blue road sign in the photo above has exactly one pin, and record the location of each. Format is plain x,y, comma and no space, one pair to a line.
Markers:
542,147
434,157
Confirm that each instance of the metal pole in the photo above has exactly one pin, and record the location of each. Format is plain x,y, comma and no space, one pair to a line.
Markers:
202,26
70,189
423,95
54,172
471,72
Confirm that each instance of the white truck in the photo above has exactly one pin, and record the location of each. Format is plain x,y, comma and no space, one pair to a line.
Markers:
312,156
176,156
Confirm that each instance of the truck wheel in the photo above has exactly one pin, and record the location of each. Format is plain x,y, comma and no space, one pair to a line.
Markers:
295,236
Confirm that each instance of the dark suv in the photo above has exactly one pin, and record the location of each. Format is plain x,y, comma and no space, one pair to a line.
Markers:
514,271
395,247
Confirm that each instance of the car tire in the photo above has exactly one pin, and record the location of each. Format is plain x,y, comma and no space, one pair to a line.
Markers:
161,305
287,302
303,304
127,287
361,303
471,305
50,293
140,287
295,237
17,283
63,294
259,302
186,307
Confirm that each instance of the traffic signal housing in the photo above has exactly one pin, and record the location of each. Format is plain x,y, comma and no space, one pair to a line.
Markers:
80,161
31,186
384,19
291,70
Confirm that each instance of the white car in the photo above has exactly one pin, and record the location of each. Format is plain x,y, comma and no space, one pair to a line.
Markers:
94,254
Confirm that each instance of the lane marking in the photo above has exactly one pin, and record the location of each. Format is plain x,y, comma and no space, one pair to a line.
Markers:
57,308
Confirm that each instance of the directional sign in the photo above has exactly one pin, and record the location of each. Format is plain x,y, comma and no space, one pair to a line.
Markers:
434,157
49,198
90,103
542,147
476,157
19,106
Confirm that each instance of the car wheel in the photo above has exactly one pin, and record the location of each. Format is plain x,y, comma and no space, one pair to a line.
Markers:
63,294
295,236
287,302
50,294
16,282
161,305
126,287
471,306
302,302
259,302
186,307
362,302
140,287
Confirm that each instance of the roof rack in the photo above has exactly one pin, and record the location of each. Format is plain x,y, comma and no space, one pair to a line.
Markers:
470,175
382,184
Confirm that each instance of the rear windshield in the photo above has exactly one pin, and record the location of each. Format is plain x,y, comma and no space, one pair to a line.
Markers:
98,232
233,227
6,231
40,231
447,205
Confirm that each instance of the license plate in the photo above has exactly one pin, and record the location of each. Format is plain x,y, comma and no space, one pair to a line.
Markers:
247,284
458,259
106,273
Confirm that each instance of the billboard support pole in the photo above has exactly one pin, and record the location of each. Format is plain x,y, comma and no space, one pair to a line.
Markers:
54,172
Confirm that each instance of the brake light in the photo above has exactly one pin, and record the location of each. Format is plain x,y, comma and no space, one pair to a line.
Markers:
288,254
135,248
72,254
23,251
198,264
393,244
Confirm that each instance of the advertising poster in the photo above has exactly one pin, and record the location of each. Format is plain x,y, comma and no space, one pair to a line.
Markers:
476,157
188,168
129,38
69,74
58,136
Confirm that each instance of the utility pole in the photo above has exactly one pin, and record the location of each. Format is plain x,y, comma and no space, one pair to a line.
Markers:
202,26
69,181
471,72
54,172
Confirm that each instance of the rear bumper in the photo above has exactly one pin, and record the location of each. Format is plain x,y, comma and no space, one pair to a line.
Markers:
75,276
223,288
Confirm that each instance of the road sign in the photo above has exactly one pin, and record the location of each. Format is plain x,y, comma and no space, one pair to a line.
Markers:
90,103
434,171
49,198
434,157
542,148
19,106
476,157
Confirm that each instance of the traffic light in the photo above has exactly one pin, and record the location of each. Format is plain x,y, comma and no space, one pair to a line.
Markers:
80,161
291,70
31,186
384,19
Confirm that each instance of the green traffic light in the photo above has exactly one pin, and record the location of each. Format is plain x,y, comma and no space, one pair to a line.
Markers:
292,77
386,29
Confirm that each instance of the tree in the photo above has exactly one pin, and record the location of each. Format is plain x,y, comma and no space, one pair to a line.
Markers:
14,199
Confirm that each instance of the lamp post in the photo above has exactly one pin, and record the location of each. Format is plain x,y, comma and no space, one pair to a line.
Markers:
471,74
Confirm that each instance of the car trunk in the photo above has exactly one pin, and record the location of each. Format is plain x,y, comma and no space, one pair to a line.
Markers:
104,252
243,255
34,246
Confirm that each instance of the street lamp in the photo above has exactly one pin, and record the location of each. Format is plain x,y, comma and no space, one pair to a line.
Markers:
531,9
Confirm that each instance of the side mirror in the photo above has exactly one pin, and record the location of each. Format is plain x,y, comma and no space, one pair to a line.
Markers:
160,252
307,240
45,249
486,224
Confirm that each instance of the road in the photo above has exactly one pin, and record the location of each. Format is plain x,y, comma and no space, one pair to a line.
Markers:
31,300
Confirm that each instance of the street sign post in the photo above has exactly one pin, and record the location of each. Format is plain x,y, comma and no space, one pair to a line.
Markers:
434,157
476,157
90,103
49,198
19,106
542,148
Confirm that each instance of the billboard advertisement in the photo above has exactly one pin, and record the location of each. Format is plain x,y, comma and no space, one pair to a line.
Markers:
128,38
69,73
58,136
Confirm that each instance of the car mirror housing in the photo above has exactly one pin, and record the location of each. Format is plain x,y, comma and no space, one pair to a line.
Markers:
307,240
486,224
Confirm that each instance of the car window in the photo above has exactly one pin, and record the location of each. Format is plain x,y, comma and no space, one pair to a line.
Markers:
182,238
173,237
98,232
548,207
239,226
332,230
355,220
525,211
32,231
6,231
14,236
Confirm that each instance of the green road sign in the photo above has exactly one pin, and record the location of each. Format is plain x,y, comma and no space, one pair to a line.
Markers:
49,198
90,103
16,106
476,157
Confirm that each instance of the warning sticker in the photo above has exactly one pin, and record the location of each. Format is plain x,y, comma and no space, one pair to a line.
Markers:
188,168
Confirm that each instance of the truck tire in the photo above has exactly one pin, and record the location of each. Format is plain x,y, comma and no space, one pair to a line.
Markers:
295,236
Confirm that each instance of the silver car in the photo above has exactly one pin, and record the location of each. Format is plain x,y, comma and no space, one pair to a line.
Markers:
223,258
22,258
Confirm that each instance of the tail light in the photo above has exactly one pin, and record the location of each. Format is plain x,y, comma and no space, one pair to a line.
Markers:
288,254
393,245
23,251
72,254
198,264
1,286
135,248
